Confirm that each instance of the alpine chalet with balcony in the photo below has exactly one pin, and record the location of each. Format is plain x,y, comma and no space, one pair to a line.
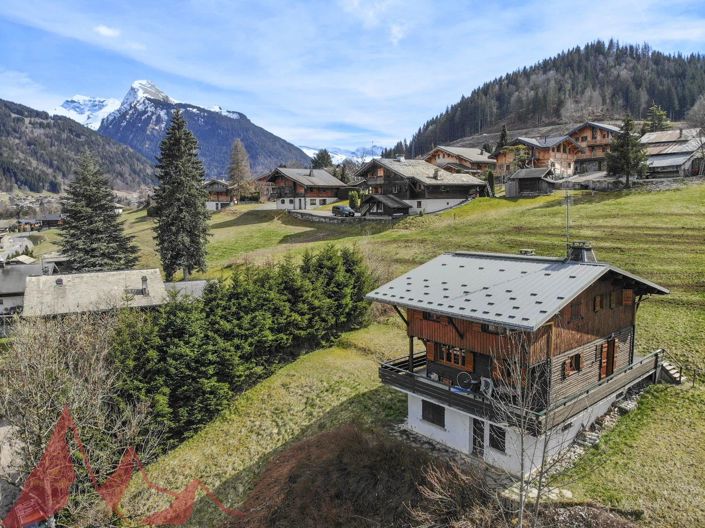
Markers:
304,188
495,328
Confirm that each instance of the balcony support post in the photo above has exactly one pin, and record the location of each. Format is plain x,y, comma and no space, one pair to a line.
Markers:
411,353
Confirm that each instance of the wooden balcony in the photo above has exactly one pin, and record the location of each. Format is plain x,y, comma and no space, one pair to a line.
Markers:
411,377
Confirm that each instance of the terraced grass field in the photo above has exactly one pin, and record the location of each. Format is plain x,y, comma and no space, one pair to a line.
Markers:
652,461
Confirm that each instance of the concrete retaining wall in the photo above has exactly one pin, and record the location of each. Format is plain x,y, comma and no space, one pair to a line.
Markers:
330,219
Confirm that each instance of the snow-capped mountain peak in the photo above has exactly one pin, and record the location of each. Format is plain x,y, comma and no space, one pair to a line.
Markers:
339,155
89,111
145,90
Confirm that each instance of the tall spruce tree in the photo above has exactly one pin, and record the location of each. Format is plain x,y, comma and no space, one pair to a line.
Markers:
92,235
627,156
503,139
656,120
239,172
322,160
180,202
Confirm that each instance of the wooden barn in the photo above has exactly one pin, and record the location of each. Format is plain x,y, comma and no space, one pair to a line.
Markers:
220,195
675,153
530,182
504,337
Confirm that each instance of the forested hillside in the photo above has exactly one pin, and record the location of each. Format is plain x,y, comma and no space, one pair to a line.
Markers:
39,152
598,81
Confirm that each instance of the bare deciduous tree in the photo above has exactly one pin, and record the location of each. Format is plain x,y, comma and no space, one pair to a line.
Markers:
66,361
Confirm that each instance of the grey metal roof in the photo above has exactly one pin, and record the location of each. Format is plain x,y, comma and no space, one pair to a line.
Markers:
545,142
664,136
669,160
427,173
189,288
673,147
87,292
541,172
519,292
310,177
471,154
604,126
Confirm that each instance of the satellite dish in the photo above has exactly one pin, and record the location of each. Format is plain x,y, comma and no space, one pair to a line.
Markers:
486,387
464,380
434,376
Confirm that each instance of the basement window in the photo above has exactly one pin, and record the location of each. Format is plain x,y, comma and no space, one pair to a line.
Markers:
498,438
433,413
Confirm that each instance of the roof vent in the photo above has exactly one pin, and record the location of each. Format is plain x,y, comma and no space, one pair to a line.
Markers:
436,174
145,288
401,158
581,251
527,252
59,282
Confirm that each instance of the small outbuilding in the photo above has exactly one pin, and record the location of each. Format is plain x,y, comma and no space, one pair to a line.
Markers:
530,182
384,205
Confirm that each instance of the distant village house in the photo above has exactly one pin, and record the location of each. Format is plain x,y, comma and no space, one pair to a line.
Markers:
461,159
674,153
220,195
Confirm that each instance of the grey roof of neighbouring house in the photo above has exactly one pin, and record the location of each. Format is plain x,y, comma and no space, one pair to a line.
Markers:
514,291
604,126
471,154
190,288
13,278
532,173
389,200
310,177
665,136
88,292
669,160
425,172
545,142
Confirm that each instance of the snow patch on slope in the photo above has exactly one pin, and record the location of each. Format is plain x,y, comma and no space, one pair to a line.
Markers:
89,111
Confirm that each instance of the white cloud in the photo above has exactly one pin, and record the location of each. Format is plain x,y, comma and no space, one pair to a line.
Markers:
396,33
19,87
106,31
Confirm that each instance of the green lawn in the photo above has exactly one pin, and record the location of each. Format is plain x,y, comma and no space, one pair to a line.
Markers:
660,235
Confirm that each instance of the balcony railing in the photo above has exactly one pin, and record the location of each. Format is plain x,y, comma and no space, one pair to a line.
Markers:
410,377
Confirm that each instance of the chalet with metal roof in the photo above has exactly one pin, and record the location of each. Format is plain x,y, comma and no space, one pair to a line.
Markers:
421,185
594,139
485,330
554,152
530,182
304,188
93,292
676,152
461,159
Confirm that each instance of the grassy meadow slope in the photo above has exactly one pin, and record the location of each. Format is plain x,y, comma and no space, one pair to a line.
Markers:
651,461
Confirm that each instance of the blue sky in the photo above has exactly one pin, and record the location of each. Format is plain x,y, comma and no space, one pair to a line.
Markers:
342,73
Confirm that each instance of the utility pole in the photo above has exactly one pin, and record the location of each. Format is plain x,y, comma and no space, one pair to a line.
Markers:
567,200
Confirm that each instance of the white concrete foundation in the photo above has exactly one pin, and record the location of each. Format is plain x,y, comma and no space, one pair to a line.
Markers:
303,203
433,205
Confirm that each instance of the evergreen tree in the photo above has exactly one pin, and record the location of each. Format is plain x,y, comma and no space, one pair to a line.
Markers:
627,156
656,120
239,172
92,236
180,202
503,139
322,160
490,182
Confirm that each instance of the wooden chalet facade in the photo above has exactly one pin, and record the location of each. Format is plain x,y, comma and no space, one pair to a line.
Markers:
220,195
423,186
462,159
557,152
594,139
304,188
493,328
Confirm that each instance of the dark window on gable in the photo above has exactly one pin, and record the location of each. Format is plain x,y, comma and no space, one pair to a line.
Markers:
576,311
433,413
498,438
430,316
492,329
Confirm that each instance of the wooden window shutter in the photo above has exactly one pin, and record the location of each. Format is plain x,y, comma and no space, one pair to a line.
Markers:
627,297
470,360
